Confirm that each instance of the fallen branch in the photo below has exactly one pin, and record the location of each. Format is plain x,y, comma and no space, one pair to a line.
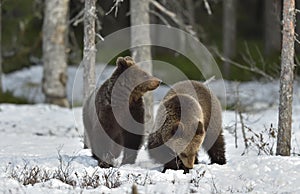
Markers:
252,68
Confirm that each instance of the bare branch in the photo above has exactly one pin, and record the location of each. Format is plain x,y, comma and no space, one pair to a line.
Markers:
171,14
212,78
252,68
115,7
296,37
207,6
173,17
78,18
160,17
99,36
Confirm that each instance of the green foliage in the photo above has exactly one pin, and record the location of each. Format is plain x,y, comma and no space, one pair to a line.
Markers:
8,97
250,55
21,33
182,63
22,37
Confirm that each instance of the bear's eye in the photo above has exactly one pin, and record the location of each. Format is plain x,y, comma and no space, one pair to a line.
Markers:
183,155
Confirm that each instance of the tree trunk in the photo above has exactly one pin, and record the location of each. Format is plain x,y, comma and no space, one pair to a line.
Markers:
139,10
229,33
272,15
1,88
89,53
286,79
55,30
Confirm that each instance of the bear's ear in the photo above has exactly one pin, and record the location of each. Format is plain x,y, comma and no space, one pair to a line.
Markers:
125,62
177,130
200,129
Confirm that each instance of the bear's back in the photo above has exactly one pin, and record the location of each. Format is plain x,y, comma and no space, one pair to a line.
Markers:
211,108
198,91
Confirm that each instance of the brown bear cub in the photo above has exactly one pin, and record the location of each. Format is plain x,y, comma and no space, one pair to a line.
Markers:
188,117
113,115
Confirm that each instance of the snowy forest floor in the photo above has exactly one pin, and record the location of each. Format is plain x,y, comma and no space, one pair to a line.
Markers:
41,150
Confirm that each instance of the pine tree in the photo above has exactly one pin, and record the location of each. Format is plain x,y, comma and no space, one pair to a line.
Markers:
286,79
89,53
55,31
139,11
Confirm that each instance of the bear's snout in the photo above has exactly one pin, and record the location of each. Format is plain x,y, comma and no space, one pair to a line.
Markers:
153,83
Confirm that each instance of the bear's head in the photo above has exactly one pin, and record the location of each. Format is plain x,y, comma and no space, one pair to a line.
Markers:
136,79
184,130
186,141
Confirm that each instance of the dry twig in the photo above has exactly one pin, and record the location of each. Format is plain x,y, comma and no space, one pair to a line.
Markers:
115,7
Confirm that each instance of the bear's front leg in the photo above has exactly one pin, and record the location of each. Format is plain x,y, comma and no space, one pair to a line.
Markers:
132,144
175,164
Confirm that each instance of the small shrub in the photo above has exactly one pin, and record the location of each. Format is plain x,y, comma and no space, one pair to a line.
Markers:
140,179
89,181
112,178
196,179
263,142
27,175
30,175
64,170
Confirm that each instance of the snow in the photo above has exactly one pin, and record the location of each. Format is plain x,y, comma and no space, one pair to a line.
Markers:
28,82
50,138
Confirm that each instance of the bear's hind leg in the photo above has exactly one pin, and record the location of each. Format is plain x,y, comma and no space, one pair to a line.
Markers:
196,160
217,151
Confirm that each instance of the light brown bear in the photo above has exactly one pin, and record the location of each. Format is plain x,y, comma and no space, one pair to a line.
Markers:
113,115
189,116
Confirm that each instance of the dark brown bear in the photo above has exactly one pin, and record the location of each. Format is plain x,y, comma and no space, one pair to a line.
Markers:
189,117
113,115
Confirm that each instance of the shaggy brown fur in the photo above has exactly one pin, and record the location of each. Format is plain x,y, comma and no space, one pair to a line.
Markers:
114,115
193,117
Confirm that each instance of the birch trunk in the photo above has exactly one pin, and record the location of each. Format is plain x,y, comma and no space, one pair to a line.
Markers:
89,53
55,29
229,33
286,79
139,10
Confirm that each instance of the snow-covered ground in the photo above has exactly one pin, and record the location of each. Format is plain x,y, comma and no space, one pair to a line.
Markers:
43,143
